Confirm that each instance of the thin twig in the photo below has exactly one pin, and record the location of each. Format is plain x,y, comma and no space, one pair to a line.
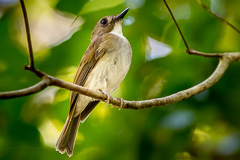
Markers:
37,72
198,53
28,33
179,30
220,18
188,50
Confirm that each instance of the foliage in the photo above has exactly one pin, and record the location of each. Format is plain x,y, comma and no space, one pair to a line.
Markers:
203,127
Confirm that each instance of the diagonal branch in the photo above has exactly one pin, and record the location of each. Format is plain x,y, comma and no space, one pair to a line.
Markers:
179,30
220,18
192,51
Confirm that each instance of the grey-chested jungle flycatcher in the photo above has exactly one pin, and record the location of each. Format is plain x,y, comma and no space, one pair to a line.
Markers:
103,67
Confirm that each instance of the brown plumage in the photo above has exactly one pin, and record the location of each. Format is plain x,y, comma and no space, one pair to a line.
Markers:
96,71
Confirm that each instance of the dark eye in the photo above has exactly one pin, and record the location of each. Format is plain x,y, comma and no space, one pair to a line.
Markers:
104,21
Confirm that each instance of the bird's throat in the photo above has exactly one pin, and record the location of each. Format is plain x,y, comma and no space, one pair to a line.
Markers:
117,29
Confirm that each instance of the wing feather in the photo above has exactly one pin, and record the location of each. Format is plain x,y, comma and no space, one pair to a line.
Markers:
89,60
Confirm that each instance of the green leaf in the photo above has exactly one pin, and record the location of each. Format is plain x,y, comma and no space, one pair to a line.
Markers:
97,5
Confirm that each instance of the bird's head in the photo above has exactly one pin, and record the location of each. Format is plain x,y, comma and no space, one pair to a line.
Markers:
109,24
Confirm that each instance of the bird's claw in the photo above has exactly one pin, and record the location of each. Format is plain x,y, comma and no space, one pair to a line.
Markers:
108,96
121,103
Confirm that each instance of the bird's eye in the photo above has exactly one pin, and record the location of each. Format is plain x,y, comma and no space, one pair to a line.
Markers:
104,21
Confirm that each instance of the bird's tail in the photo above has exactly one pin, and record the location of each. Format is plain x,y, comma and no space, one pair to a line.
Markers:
67,138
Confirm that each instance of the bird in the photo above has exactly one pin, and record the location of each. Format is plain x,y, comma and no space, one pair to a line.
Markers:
103,67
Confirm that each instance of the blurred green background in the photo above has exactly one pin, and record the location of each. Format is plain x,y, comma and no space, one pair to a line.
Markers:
204,127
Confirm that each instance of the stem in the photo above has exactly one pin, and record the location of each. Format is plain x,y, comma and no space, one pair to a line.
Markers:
179,30
220,18
26,22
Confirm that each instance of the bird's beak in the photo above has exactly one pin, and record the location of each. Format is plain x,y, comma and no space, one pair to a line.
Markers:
122,14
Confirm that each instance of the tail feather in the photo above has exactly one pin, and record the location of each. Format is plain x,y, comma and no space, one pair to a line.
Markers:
67,138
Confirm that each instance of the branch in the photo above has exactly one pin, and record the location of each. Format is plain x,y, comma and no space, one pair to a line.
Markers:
48,80
182,95
191,51
224,62
220,18
44,83
179,30
29,42
198,53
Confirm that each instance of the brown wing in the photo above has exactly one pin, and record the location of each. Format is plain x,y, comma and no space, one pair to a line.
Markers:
89,60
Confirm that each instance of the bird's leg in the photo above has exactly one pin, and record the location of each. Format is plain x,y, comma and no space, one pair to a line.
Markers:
108,96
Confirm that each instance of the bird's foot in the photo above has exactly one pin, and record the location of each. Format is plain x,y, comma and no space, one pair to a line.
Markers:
121,103
108,96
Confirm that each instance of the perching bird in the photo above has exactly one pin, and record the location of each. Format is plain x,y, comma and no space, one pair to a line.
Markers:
103,67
